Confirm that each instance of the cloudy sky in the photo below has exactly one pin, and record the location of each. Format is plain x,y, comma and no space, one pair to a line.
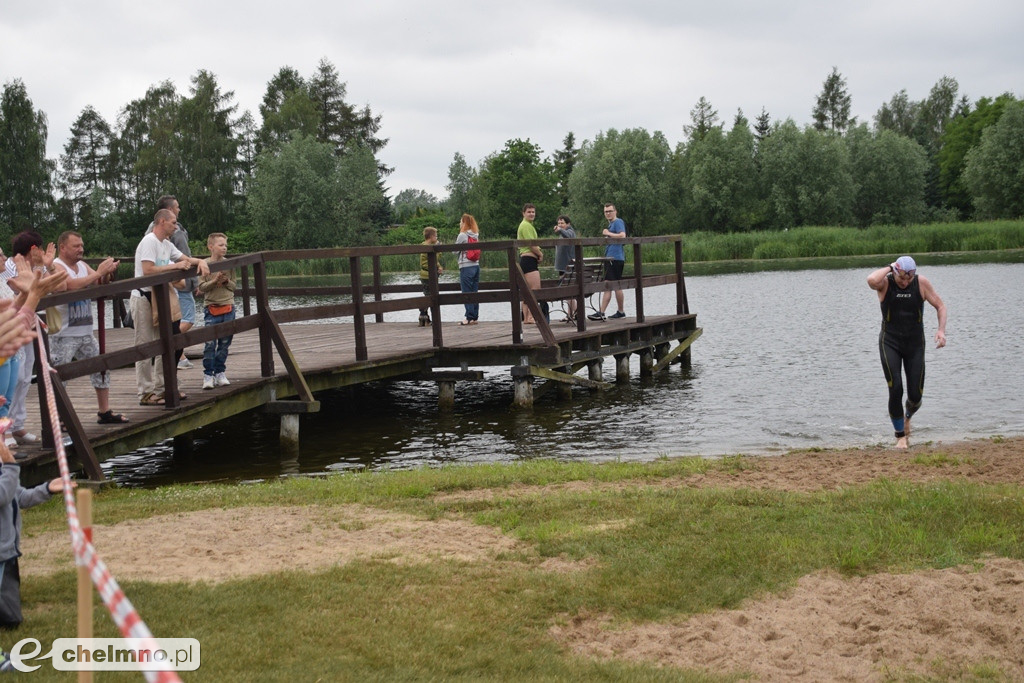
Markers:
464,76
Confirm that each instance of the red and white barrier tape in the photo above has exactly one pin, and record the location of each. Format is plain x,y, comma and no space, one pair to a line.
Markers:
121,609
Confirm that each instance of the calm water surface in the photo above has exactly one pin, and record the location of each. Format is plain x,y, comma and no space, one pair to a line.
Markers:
787,360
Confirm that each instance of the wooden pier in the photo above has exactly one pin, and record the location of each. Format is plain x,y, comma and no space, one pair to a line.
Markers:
280,358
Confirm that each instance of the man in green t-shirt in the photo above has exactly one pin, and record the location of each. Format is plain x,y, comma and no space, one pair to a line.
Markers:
530,257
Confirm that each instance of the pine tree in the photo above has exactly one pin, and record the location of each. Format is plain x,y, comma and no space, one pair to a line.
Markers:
206,146
26,199
85,164
703,118
762,126
564,161
832,110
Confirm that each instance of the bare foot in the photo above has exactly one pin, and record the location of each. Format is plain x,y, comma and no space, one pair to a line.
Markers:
902,444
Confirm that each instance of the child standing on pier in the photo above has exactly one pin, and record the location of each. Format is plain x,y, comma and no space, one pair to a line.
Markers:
429,237
219,307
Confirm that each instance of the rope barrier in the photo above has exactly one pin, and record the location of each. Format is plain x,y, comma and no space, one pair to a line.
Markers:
121,609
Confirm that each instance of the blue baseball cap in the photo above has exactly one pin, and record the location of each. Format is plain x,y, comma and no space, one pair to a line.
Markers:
906,264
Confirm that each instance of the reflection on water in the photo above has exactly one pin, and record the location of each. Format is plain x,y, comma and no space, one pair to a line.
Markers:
787,360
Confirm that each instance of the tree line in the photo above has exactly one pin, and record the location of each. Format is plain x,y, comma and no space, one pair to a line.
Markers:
308,175
939,159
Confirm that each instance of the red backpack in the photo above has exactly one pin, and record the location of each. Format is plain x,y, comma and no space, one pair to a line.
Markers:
472,254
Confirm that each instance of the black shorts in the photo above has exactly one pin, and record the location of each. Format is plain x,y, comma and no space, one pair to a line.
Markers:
613,270
528,263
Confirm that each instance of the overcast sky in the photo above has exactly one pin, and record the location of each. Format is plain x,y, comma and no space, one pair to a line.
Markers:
467,76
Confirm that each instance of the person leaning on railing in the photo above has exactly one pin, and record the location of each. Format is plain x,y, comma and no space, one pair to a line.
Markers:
155,254
17,322
29,244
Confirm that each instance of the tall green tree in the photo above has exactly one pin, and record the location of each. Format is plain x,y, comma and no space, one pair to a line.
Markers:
143,154
26,198
994,170
206,144
899,114
305,196
411,202
719,181
630,169
287,108
933,115
832,109
247,136
460,182
341,123
807,177
703,117
889,176
511,178
935,112
962,134
762,126
84,166
564,162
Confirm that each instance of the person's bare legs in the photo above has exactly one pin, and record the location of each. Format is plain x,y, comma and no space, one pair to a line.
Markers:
533,280
103,400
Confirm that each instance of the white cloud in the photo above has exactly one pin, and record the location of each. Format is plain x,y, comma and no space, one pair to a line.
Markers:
467,76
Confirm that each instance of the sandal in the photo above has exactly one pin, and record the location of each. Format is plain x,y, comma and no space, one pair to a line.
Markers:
463,323
111,418
151,400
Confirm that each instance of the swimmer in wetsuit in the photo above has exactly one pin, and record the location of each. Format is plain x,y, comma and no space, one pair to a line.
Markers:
901,294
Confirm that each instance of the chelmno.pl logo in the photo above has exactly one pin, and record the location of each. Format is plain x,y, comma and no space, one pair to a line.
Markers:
108,654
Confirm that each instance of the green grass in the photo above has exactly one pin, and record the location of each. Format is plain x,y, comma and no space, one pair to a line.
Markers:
647,552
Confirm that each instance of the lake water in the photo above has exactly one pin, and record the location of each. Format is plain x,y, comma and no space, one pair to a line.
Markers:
787,360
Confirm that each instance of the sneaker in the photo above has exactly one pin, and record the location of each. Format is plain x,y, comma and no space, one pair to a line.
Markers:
208,382
26,438
221,380
185,364
617,314
596,316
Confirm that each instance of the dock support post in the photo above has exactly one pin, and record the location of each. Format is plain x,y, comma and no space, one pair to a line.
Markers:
646,362
564,390
290,430
622,367
523,392
446,394
595,370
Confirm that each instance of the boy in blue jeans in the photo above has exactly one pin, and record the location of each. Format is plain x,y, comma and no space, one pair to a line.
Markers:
219,307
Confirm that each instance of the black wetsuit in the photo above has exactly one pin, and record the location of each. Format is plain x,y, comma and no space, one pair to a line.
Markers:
901,343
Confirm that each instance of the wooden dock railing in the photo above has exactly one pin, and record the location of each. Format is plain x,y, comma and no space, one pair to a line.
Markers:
366,297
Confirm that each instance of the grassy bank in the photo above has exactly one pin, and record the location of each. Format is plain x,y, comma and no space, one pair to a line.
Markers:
641,551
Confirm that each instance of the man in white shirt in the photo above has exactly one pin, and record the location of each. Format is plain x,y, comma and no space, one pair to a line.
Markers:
73,340
155,254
